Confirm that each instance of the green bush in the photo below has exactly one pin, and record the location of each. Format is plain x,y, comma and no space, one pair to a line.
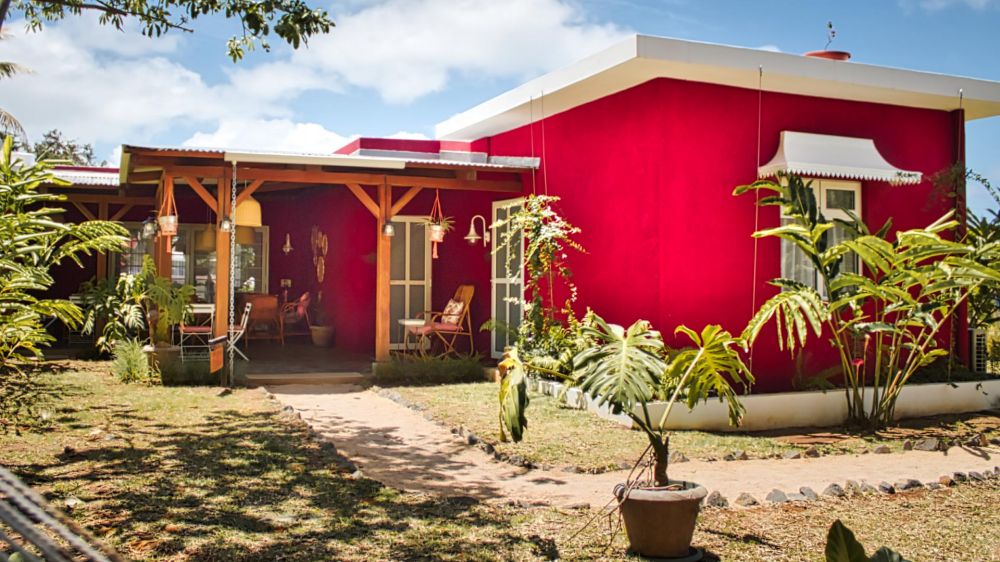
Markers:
130,363
429,370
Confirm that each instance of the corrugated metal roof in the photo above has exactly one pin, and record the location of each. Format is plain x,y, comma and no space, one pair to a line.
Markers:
330,159
103,178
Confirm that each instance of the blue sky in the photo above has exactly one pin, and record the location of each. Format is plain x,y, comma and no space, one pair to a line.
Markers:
397,67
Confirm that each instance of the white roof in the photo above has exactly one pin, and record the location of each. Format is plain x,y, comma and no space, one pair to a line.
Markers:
641,58
833,157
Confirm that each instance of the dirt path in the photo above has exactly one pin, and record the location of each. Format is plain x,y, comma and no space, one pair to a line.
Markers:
400,448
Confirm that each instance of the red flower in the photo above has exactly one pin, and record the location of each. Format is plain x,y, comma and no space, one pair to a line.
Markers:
858,362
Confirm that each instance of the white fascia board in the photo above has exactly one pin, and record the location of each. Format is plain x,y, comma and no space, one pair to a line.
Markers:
315,160
642,58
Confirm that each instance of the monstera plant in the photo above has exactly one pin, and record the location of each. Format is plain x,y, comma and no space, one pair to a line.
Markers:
628,369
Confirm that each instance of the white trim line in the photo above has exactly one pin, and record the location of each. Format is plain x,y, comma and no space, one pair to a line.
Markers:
641,58
317,160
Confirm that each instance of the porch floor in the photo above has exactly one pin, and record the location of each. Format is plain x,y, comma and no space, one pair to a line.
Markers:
303,363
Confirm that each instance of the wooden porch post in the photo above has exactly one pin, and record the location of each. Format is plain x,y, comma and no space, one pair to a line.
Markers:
222,258
163,246
383,249
102,258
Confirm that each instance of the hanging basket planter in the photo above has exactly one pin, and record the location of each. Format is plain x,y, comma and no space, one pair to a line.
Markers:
167,216
437,225
168,224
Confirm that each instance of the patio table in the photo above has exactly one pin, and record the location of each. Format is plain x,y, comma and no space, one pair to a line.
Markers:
405,325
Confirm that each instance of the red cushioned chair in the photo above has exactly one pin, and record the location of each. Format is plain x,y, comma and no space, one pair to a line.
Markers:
447,326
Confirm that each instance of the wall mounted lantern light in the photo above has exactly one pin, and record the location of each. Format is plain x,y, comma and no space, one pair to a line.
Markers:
149,228
226,225
388,229
473,235
287,248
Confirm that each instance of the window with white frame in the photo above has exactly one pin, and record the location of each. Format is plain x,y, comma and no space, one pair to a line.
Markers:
195,265
835,199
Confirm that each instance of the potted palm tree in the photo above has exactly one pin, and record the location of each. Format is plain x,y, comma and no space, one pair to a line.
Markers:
627,370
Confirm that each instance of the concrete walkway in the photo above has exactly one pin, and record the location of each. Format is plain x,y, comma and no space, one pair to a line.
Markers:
400,448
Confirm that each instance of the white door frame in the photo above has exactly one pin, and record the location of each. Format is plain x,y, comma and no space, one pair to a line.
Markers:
402,224
498,275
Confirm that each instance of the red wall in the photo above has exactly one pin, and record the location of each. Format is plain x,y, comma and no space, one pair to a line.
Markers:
349,286
648,175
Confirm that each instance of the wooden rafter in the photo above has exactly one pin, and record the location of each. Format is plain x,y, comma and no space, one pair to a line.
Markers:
367,201
83,210
198,188
398,205
121,212
250,189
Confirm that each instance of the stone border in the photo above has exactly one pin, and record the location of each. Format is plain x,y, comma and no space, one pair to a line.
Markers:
851,488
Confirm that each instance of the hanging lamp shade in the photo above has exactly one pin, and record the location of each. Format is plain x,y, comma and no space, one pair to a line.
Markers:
205,241
245,236
248,213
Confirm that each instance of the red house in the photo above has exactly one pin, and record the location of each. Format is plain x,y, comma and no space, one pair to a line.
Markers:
644,142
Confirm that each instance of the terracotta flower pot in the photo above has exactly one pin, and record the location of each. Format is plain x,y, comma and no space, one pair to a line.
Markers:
436,232
322,336
660,522
168,224
830,55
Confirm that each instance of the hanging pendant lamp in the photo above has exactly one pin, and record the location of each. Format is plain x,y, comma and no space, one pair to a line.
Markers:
248,213
205,241
245,236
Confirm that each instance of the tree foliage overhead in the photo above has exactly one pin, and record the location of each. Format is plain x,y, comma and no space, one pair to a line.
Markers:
291,20
54,146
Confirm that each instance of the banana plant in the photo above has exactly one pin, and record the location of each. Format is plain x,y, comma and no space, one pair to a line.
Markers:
628,368
909,289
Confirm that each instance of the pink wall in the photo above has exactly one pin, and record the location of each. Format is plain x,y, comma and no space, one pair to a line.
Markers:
648,175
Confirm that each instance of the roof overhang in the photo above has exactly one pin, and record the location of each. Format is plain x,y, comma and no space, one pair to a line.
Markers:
641,58
830,156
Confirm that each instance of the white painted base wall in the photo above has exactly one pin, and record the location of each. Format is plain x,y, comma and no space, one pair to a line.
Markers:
799,409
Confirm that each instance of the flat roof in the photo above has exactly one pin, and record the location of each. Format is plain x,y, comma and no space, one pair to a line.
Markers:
641,58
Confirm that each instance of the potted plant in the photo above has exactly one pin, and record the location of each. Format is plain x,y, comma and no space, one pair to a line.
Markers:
319,327
437,227
627,370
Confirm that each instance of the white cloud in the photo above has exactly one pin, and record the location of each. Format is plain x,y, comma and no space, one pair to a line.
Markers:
100,85
405,49
272,134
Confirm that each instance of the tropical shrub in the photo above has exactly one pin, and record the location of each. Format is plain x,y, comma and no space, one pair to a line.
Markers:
32,242
547,332
626,369
117,305
910,288
842,546
130,363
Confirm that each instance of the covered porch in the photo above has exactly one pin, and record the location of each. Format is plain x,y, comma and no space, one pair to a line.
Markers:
351,200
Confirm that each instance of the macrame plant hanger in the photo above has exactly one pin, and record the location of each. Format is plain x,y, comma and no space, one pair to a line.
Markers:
436,217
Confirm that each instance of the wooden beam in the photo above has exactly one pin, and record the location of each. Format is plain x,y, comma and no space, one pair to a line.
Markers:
113,199
222,260
121,212
83,210
202,192
246,193
362,196
318,176
383,251
146,176
164,244
402,201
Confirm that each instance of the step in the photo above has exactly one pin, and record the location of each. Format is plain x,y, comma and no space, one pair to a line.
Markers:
305,378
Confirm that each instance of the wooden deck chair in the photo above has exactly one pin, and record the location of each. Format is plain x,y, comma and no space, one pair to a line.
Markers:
193,339
447,326
236,332
295,317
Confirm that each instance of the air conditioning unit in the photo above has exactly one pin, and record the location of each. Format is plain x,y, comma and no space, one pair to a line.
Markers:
979,354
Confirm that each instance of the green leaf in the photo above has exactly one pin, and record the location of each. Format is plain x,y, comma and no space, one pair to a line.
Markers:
841,546
885,554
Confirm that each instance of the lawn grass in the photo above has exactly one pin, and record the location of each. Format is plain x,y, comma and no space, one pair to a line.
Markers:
561,436
190,475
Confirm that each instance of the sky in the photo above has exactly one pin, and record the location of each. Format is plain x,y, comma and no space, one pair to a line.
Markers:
398,67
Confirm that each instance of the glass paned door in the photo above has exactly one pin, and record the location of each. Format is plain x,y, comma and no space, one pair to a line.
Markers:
507,280
409,274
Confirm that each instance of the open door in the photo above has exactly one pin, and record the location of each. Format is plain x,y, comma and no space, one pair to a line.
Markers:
507,281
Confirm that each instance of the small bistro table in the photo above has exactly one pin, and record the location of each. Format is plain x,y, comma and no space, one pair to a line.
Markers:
405,325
